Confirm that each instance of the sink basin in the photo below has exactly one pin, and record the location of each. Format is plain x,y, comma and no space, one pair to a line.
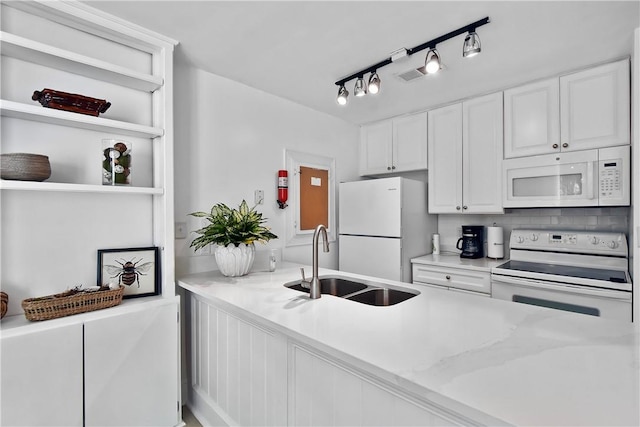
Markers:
371,293
335,286
381,297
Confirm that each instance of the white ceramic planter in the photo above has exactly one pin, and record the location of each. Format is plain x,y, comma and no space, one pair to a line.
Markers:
234,260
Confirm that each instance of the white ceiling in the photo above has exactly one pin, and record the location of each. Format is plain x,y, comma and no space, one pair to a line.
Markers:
298,49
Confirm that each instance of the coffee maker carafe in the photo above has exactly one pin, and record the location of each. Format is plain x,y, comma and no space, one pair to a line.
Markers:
472,241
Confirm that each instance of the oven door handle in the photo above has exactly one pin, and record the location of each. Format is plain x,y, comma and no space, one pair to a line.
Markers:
562,287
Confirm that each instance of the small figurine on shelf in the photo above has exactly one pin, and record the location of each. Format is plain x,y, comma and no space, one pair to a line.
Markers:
116,165
70,102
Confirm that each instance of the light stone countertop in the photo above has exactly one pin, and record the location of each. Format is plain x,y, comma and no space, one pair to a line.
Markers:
487,359
450,259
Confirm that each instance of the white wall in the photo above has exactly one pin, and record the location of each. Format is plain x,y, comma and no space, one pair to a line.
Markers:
230,140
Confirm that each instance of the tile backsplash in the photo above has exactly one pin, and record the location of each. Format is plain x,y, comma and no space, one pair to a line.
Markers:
601,219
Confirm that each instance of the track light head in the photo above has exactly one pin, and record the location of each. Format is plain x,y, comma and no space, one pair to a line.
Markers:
343,95
360,89
432,62
374,83
471,46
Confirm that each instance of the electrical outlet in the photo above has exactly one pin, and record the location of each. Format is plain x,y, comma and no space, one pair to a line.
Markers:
181,230
258,197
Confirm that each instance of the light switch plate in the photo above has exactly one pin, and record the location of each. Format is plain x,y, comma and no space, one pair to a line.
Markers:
258,197
181,230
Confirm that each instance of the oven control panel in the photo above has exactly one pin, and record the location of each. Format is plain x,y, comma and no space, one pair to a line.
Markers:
589,242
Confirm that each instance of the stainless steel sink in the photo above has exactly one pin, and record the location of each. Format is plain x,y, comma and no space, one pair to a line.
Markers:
381,297
336,286
364,292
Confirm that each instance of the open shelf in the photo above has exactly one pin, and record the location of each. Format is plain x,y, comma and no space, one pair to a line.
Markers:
42,54
77,188
65,118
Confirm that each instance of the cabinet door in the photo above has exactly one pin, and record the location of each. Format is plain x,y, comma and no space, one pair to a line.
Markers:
594,107
376,148
410,143
131,368
445,159
482,154
42,378
532,119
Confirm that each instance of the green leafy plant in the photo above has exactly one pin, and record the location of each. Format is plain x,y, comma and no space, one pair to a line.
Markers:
227,225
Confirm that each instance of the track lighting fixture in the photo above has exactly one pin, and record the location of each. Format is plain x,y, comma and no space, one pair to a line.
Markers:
471,46
432,64
343,94
374,83
360,89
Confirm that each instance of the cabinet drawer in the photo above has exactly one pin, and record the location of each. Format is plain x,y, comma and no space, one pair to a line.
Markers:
470,280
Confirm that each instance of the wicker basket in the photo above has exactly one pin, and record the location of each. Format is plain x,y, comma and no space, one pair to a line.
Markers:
69,303
24,167
4,301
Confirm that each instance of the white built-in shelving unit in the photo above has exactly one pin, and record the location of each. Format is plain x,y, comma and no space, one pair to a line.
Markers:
51,231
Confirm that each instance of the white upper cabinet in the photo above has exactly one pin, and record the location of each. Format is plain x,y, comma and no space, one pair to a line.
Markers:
532,119
482,141
583,110
397,145
445,159
410,143
465,156
376,148
595,107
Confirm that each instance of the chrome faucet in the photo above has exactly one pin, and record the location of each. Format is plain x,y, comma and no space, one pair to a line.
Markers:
314,284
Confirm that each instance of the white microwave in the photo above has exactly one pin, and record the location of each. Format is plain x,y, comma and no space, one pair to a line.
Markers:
599,177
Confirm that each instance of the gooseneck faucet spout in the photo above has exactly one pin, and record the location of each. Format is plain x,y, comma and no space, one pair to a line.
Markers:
314,289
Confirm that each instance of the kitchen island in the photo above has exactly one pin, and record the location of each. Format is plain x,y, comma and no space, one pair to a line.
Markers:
265,354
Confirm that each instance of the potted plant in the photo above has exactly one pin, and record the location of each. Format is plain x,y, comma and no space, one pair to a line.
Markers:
232,232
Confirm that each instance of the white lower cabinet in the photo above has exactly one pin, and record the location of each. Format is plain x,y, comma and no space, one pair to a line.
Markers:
131,369
245,374
105,371
42,378
474,281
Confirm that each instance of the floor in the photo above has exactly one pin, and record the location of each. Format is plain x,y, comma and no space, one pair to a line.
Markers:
189,419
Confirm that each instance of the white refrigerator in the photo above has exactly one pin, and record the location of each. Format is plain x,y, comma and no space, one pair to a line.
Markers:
383,224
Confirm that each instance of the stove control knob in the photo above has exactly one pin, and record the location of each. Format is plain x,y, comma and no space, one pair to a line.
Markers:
612,244
594,240
519,239
534,237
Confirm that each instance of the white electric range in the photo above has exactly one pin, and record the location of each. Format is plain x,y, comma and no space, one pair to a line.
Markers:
580,271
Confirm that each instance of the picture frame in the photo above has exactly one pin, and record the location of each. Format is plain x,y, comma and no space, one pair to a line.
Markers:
138,269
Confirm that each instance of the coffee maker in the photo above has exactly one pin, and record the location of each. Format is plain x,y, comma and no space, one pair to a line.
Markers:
472,241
